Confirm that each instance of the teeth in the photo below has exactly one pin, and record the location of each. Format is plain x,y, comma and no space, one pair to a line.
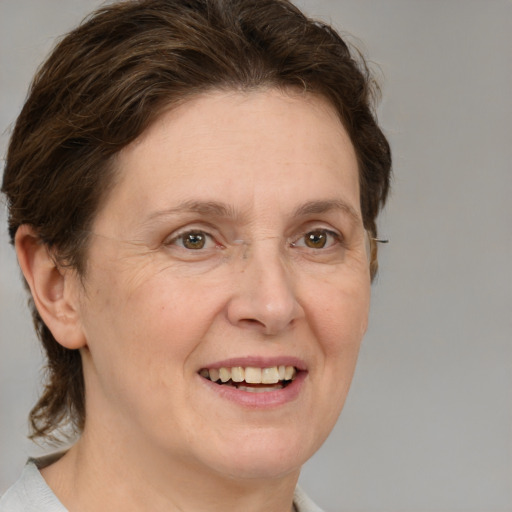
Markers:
289,373
237,374
224,374
270,375
251,375
260,390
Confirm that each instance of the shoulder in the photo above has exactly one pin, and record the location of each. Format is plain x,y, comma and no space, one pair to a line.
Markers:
30,493
302,502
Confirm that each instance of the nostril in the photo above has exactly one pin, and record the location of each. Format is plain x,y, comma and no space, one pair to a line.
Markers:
251,322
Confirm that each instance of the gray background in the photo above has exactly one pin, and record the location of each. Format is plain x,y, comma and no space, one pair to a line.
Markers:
428,423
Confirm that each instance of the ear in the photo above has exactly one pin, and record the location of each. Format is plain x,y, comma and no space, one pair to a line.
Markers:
55,290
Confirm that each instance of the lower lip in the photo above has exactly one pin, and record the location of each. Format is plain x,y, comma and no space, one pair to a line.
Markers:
267,399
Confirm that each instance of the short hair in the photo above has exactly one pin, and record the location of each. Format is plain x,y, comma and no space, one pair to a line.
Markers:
108,80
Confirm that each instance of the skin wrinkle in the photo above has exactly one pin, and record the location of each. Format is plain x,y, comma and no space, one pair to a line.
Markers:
143,251
140,108
216,210
157,313
148,254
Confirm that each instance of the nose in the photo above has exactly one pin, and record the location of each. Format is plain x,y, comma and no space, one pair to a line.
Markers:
264,294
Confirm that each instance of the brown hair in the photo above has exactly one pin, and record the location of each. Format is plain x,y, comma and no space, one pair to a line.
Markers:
108,79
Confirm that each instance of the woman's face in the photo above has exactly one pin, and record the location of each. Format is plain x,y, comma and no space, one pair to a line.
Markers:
232,245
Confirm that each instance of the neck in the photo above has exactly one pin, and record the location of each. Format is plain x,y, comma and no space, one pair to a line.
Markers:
99,475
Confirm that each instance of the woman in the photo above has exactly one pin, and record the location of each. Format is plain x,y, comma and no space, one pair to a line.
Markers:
193,189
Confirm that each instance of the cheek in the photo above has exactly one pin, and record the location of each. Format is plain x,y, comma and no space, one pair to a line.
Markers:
340,321
138,343
148,322
341,316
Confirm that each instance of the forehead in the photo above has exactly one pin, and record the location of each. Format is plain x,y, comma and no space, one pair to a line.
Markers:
239,146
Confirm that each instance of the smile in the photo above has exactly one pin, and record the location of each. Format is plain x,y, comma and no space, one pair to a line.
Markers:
251,378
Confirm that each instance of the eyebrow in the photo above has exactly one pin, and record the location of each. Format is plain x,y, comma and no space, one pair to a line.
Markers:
218,209
207,208
318,207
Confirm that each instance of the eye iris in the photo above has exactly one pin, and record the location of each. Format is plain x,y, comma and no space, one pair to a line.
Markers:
316,240
194,240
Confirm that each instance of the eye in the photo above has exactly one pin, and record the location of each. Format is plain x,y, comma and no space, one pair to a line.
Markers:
193,240
318,239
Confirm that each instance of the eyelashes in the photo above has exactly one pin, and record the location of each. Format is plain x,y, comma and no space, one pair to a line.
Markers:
194,240
318,239
198,240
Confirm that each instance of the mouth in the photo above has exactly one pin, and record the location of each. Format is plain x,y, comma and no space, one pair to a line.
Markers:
251,378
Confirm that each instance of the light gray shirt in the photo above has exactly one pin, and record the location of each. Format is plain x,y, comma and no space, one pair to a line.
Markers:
30,493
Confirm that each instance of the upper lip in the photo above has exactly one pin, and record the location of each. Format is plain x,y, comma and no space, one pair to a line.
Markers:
258,362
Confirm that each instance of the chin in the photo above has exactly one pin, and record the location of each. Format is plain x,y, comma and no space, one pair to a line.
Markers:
262,468
265,456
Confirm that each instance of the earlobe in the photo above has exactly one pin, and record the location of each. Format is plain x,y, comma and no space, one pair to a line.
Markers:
54,289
